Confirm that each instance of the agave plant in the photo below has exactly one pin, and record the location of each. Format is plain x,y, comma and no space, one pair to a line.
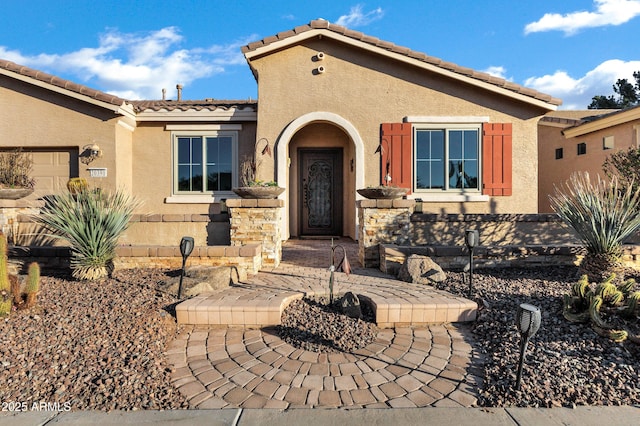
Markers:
92,222
603,215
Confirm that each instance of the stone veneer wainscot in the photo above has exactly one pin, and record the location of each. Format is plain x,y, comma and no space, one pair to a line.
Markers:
258,221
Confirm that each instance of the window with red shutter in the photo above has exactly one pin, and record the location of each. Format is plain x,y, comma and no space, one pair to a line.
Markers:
446,157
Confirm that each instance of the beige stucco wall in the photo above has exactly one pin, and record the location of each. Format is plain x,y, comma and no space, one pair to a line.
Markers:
366,90
153,168
556,172
33,117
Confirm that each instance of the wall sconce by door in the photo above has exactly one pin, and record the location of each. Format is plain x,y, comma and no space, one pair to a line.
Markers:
89,153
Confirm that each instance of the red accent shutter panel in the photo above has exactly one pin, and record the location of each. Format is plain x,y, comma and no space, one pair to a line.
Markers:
397,151
496,159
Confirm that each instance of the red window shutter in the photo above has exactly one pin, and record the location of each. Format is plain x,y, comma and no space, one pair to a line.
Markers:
496,159
396,157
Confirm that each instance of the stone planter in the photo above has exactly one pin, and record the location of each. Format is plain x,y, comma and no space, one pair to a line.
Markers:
383,192
262,192
14,193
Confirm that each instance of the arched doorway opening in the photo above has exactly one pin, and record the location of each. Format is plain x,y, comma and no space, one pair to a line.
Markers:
324,166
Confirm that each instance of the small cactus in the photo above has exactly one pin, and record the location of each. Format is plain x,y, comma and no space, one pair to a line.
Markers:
627,286
583,304
77,184
632,303
5,284
6,299
33,284
594,311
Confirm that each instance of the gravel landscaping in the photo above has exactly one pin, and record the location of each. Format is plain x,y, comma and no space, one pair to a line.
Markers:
567,364
91,345
99,345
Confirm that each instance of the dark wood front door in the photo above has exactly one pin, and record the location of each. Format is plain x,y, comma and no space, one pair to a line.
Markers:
320,191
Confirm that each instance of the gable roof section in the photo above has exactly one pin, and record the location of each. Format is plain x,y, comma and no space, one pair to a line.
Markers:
603,121
138,110
62,86
404,54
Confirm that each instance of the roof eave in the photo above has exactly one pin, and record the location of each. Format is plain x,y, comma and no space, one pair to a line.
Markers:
306,35
197,115
116,108
605,122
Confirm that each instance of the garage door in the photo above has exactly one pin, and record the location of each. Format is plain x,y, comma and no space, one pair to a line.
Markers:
53,168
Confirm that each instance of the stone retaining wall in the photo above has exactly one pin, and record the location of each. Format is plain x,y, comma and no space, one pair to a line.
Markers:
505,239
457,258
247,259
144,229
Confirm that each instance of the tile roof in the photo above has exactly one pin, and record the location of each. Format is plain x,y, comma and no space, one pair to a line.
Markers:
193,105
59,82
143,105
400,50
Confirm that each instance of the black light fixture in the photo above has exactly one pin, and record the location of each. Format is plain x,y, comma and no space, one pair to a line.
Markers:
186,247
90,152
528,322
471,239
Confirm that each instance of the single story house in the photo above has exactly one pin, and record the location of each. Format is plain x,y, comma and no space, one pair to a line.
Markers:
338,110
571,141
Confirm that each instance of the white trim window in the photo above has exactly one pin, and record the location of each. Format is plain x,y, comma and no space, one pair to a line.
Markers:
447,158
205,163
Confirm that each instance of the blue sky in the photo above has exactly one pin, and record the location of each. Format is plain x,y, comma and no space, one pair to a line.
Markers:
571,49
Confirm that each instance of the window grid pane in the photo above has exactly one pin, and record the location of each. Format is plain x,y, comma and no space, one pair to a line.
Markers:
204,164
458,149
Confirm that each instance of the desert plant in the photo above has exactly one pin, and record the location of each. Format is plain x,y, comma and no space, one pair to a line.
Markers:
603,215
77,184
32,287
15,169
584,304
6,301
249,167
91,222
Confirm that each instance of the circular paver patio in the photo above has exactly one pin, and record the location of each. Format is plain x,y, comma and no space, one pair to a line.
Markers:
420,366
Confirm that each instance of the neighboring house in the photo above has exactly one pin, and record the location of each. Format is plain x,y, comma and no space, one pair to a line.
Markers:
571,141
340,111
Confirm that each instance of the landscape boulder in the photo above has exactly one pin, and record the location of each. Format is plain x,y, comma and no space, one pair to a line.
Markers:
421,270
201,279
350,305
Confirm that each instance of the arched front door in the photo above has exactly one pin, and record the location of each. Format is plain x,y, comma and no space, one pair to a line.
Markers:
321,196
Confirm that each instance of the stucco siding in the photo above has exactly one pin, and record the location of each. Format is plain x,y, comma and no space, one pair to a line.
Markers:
554,172
367,90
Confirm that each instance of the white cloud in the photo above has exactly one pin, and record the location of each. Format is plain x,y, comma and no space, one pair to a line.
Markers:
577,92
497,71
136,65
358,18
608,12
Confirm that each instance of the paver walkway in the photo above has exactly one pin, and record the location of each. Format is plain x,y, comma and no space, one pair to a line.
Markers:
304,271
218,367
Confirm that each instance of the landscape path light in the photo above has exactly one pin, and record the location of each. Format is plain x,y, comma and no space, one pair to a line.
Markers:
528,322
471,239
186,247
343,266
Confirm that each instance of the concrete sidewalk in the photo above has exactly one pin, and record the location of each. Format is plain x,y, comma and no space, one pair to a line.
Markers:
583,416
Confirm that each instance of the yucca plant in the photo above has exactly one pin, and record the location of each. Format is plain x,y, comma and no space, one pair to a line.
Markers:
92,222
603,215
